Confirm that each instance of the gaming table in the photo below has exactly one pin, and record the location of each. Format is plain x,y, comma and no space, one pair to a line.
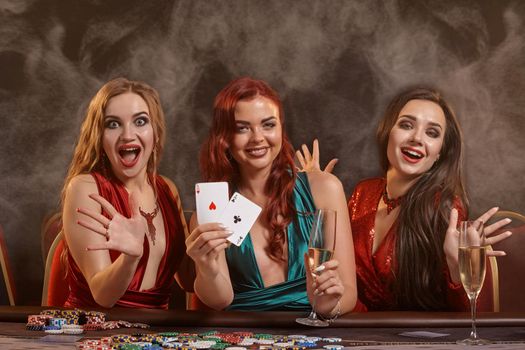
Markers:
373,330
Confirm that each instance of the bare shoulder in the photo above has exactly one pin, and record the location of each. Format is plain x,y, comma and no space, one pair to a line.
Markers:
326,189
80,184
321,181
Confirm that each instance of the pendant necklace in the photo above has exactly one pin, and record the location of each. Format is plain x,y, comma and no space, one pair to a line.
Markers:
149,219
391,204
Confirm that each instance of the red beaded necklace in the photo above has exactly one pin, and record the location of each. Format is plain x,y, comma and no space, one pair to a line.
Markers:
149,219
391,204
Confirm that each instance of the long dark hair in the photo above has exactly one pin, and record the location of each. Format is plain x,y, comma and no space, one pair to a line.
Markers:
423,215
217,164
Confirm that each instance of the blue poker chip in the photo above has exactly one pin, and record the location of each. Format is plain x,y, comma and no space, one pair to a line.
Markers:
52,328
306,344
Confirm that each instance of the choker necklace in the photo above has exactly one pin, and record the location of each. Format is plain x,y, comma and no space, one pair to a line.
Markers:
149,219
391,204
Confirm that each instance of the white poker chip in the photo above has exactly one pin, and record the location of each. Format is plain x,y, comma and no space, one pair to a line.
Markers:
204,344
311,339
297,336
333,340
235,348
170,339
247,342
265,341
333,347
283,345
54,331
73,331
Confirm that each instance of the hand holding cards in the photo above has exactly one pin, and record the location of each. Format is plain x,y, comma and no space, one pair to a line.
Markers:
238,215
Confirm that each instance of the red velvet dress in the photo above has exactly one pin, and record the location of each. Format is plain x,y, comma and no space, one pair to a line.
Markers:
375,276
158,296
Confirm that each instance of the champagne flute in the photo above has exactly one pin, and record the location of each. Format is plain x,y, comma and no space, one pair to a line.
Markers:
472,264
320,249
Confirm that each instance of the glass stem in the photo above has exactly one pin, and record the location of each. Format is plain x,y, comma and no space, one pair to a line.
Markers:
473,333
313,314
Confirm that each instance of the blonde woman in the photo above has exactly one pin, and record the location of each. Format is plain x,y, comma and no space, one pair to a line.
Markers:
122,221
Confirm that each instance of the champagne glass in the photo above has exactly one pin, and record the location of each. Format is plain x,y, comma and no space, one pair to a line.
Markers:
472,264
320,249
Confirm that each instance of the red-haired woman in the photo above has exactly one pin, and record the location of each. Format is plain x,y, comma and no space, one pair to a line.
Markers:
248,147
404,224
123,222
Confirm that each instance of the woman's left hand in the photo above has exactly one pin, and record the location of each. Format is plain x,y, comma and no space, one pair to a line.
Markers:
310,161
451,244
326,284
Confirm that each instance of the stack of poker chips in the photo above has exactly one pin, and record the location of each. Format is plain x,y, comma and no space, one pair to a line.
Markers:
65,321
94,320
37,322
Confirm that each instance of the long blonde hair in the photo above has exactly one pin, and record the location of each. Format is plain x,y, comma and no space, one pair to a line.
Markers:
89,154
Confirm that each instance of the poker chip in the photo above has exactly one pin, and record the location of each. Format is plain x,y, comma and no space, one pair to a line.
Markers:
235,348
306,344
333,347
73,330
312,339
283,344
54,331
332,340
202,344
297,336
247,342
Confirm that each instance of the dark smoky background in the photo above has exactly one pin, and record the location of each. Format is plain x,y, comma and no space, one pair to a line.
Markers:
334,63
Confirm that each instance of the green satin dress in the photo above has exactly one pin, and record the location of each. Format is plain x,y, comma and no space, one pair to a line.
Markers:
248,286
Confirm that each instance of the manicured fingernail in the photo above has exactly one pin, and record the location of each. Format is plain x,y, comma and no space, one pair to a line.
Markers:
319,268
316,292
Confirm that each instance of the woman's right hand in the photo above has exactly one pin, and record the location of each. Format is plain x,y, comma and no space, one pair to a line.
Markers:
122,234
205,244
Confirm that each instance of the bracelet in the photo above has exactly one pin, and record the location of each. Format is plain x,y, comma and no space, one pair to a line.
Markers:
331,318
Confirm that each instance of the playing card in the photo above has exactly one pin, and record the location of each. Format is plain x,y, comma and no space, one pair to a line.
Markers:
239,216
423,334
211,198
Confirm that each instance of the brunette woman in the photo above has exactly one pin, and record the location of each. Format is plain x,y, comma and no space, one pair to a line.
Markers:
404,224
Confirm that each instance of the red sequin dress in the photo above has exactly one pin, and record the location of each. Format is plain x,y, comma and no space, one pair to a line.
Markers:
158,296
375,277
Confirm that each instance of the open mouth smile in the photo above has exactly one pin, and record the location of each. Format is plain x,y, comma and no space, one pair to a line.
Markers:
129,154
257,152
412,155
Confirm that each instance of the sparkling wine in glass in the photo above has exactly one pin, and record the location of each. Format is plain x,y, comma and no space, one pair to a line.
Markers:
320,249
472,265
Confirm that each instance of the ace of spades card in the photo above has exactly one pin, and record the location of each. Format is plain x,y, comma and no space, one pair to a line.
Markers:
239,216
211,198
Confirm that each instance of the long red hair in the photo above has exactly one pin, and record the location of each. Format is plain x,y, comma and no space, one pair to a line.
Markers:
217,164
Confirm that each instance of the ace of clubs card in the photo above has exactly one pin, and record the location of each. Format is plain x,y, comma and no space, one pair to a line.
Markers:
239,216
